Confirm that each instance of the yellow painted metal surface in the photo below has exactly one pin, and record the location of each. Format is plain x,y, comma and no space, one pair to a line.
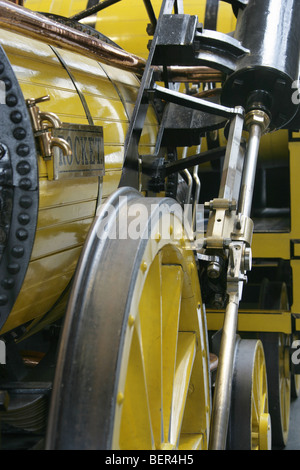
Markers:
67,208
254,320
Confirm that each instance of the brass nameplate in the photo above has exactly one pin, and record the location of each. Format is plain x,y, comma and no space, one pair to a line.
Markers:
87,146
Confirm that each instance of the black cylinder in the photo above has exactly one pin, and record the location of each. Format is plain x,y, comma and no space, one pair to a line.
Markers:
264,78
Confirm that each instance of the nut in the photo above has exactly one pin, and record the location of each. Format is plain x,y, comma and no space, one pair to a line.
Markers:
257,117
214,270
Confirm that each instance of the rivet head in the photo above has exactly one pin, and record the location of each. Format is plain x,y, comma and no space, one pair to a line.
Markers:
25,202
23,150
11,100
3,300
17,251
7,283
131,320
25,184
144,266
19,133
24,219
16,117
120,398
23,168
22,234
13,268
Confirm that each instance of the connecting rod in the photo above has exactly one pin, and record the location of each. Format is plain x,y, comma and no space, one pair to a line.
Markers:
256,123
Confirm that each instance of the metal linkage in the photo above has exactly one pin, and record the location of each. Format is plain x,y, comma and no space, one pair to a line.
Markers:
231,230
194,49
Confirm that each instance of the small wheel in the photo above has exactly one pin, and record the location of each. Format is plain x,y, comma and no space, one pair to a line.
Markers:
277,353
133,368
250,422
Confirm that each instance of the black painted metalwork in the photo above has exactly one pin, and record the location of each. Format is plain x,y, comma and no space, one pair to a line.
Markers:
178,40
270,30
18,189
211,14
92,10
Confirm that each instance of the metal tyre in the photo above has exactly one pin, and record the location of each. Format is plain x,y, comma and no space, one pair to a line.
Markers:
133,367
277,353
250,423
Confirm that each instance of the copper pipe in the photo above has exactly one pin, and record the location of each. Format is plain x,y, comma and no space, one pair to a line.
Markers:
24,21
21,20
209,93
191,74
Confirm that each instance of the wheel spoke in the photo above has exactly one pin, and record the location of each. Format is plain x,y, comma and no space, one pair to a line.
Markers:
184,363
191,442
172,279
150,323
135,429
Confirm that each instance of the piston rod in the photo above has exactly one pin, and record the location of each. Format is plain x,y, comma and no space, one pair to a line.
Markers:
257,122
223,386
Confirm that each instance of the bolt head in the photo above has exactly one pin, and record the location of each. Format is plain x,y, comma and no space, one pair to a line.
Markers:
214,270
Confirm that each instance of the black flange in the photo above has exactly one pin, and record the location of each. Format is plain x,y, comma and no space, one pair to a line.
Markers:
18,189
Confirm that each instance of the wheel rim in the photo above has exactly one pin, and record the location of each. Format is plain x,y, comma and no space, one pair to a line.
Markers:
284,383
295,380
250,423
260,418
115,337
276,347
295,385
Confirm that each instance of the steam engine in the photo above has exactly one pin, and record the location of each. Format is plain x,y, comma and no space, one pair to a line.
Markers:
170,339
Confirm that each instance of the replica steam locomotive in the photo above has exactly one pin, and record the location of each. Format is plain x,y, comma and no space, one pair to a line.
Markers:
149,224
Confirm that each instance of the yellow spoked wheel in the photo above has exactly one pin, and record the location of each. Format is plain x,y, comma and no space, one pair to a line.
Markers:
277,353
250,422
133,368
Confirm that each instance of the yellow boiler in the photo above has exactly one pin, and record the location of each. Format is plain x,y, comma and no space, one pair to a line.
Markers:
96,100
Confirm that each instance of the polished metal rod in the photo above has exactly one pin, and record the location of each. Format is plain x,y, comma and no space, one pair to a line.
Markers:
21,20
223,386
190,74
250,170
258,122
